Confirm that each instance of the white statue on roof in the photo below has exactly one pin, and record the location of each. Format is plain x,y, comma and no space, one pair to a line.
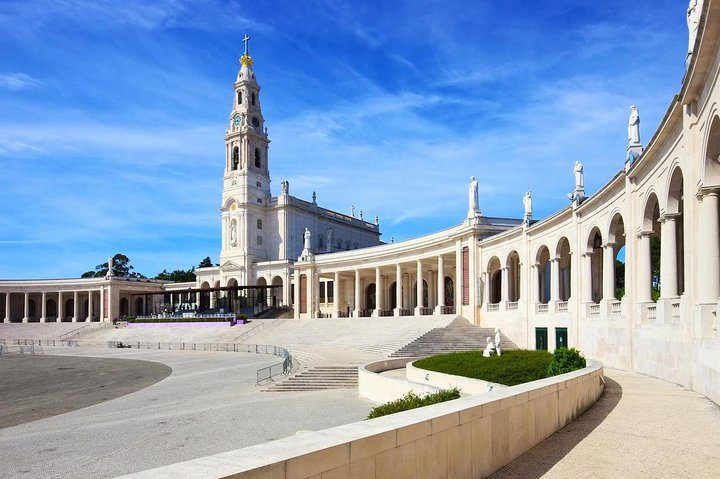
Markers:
473,199
634,126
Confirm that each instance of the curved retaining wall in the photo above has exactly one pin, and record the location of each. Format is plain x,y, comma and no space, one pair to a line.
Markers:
469,437
449,381
381,389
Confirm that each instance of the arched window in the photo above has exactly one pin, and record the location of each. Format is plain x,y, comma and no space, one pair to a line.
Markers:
235,158
239,97
259,224
253,98
257,157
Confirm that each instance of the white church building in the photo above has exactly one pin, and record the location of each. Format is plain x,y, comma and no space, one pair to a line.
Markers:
546,283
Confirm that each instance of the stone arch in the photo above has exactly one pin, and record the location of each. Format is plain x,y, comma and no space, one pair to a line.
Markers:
258,158
674,258
204,296
542,263
124,307
710,169
235,161
512,263
494,276
69,307
651,234
51,308
139,309
564,265
449,291
594,247
616,237
278,290
424,294
370,297
261,294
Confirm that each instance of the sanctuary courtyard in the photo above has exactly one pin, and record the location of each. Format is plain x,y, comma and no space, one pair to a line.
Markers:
267,364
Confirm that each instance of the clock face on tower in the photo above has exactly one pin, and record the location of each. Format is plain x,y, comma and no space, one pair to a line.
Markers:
255,122
236,120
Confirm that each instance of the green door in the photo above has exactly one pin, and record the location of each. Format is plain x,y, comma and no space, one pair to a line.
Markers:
561,338
541,339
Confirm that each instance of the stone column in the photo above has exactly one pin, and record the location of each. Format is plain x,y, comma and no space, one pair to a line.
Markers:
643,270
296,303
587,277
43,308
336,295
378,293
398,290
102,304
668,257
60,308
419,288
26,307
7,307
440,286
356,299
90,306
76,307
709,250
609,272
534,284
197,301
504,296
555,279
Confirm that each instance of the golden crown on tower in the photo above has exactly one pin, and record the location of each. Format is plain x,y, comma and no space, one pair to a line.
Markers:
246,60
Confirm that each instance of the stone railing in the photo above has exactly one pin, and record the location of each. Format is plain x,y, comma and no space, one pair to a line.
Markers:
447,310
615,309
512,306
541,308
652,313
493,307
593,309
562,307
469,437
675,313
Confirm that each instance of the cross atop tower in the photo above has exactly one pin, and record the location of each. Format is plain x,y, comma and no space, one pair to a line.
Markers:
246,39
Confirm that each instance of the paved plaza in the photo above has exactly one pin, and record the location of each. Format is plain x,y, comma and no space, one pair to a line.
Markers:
209,404
641,427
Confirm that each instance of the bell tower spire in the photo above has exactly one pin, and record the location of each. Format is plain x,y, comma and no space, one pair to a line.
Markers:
246,187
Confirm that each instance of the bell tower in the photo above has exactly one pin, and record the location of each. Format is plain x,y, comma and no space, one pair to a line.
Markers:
246,183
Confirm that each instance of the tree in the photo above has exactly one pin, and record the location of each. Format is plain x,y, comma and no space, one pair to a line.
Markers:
619,279
121,268
177,276
206,263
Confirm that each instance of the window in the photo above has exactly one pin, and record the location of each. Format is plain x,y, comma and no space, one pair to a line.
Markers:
258,184
322,292
339,244
541,339
239,97
330,291
235,158
259,224
561,340
259,240
259,200
257,158
253,98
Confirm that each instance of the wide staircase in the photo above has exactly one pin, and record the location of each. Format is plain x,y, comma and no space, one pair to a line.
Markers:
318,378
459,335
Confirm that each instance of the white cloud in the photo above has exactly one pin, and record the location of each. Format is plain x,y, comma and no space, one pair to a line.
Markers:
19,81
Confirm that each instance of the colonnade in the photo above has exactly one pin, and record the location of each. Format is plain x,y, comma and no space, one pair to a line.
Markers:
67,304
422,287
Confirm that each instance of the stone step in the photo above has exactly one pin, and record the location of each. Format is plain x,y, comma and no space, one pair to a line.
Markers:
318,378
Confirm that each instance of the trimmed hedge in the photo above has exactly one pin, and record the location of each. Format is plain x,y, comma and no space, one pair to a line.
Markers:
566,360
412,401
179,320
515,366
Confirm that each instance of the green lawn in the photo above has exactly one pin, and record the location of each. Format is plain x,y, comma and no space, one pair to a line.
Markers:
513,367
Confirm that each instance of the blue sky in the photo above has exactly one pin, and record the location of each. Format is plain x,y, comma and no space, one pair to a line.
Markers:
112,114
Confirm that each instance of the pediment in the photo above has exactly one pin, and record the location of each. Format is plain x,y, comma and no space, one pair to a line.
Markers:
231,266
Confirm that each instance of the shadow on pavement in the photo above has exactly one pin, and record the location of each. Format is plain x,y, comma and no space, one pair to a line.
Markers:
540,459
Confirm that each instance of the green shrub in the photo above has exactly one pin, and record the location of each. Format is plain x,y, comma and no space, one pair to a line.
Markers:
515,366
565,360
412,401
